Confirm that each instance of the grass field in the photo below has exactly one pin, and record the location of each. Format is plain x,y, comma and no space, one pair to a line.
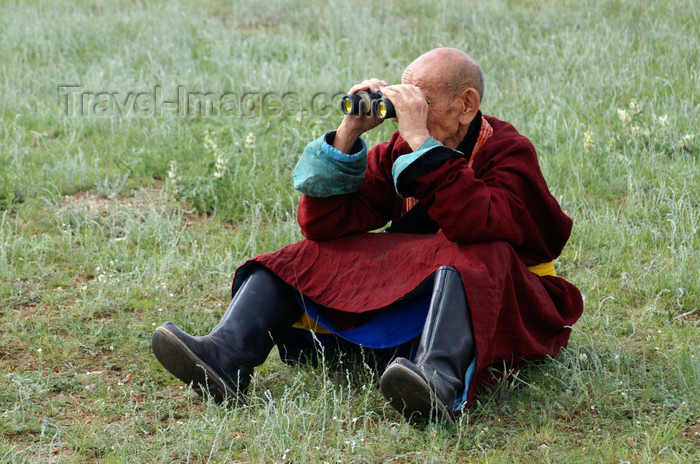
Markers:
122,207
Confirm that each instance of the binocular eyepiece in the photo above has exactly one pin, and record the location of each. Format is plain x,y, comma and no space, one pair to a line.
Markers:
368,103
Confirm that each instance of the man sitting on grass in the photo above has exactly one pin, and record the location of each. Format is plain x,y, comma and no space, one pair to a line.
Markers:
463,279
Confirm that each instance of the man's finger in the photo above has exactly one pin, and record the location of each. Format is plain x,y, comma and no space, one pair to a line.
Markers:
373,85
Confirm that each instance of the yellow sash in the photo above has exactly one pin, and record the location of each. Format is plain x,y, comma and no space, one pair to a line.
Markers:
543,269
306,323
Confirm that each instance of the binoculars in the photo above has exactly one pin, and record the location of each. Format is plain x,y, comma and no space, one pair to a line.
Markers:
368,103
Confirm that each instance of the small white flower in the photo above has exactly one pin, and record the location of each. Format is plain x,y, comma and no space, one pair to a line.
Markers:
39,350
250,140
583,357
686,140
625,117
220,167
172,173
663,121
588,140
209,143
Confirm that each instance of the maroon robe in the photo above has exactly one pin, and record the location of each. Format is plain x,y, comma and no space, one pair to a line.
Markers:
496,218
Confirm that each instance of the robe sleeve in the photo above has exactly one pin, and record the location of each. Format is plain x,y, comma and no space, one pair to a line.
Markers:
507,199
370,207
324,171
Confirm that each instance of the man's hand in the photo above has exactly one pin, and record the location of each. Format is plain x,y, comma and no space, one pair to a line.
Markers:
353,127
411,113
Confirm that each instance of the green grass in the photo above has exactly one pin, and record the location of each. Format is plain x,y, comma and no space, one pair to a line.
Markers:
111,225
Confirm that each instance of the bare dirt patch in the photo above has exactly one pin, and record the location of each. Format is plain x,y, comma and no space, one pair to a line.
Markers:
155,197
88,202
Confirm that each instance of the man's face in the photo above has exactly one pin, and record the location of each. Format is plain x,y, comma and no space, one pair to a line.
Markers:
443,110
442,121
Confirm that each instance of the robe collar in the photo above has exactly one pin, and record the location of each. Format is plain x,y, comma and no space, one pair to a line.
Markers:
466,146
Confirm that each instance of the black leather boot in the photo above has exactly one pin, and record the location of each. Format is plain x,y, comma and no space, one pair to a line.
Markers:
426,388
223,361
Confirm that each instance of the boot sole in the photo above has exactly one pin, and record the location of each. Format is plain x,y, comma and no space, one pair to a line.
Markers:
410,394
184,364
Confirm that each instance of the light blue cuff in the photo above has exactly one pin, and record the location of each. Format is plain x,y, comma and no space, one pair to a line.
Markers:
324,171
336,154
403,161
468,377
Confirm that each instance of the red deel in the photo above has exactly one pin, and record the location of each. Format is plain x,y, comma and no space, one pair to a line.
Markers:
496,217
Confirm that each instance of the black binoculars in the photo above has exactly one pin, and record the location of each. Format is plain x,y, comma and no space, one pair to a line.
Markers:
366,103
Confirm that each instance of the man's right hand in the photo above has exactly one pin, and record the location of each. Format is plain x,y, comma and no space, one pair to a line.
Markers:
353,127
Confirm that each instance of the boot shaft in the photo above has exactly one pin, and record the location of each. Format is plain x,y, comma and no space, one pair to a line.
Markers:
447,343
263,308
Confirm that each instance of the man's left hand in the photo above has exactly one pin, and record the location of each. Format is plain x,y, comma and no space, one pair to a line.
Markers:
411,112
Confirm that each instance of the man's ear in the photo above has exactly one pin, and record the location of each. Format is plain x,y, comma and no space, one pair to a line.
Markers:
470,104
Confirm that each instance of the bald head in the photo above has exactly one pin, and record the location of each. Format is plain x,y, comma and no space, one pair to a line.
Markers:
445,70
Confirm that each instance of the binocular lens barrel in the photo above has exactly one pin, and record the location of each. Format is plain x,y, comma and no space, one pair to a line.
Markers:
356,104
347,105
384,109
366,103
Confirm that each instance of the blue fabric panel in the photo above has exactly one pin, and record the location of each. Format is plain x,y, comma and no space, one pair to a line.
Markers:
393,326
